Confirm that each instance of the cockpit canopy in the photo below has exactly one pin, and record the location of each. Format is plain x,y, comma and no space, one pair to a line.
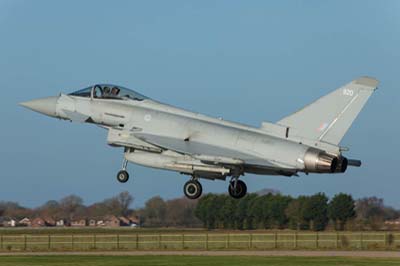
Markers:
109,91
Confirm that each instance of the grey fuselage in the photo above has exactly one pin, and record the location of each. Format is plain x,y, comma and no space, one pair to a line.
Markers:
263,153
161,136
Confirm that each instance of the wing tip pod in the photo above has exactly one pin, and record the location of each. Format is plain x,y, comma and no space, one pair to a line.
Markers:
369,82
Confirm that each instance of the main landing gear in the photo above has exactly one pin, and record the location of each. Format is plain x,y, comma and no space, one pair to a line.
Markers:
193,189
123,175
237,189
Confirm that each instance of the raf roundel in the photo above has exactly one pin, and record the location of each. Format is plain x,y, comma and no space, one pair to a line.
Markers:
147,118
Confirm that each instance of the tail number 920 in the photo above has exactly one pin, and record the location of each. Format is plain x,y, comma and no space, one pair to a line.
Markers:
348,92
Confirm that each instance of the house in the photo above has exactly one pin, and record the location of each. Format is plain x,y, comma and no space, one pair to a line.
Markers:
38,222
92,222
112,221
61,223
25,222
78,223
9,222
135,221
123,221
393,222
100,223
49,222
130,221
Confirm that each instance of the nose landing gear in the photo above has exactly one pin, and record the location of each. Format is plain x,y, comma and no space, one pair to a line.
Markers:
123,175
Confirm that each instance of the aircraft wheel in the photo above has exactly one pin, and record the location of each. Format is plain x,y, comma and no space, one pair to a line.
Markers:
192,189
240,191
123,176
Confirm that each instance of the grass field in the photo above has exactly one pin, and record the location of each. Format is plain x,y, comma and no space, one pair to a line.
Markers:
189,260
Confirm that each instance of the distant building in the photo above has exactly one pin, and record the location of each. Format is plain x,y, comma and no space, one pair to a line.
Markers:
78,223
25,222
111,221
393,222
61,223
38,222
9,222
123,221
50,221
92,223
135,221
100,223
41,222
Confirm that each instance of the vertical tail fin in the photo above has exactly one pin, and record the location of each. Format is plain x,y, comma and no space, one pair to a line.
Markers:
329,118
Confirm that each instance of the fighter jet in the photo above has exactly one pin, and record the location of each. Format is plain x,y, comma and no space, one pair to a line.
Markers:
162,136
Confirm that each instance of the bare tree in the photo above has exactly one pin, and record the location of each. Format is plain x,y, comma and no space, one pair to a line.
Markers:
50,209
180,212
155,212
124,200
70,205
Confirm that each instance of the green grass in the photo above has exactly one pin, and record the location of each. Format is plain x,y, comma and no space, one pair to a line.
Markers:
189,260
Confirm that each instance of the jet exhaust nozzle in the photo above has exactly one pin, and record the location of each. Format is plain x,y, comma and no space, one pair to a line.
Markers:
355,163
318,161
342,165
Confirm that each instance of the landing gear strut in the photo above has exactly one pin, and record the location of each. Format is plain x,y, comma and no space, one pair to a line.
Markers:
123,175
237,188
193,189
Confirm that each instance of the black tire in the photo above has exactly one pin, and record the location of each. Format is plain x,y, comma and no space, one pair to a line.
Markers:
240,191
192,189
123,176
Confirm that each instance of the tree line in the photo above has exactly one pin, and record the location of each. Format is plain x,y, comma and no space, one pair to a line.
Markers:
266,209
269,209
71,207
156,212
276,211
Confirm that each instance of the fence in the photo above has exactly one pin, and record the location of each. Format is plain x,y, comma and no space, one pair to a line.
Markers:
212,241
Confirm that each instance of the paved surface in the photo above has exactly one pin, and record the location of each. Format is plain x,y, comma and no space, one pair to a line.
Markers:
357,254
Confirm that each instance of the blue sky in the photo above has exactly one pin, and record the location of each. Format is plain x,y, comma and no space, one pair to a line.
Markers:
246,61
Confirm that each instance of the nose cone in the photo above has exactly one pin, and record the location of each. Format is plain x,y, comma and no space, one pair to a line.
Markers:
46,106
